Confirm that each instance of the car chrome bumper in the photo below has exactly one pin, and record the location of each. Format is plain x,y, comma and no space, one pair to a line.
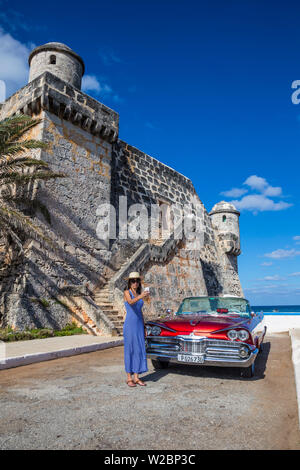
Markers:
220,353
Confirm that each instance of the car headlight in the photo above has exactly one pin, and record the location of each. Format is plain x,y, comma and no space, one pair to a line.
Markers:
155,330
232,335
243,335
148,329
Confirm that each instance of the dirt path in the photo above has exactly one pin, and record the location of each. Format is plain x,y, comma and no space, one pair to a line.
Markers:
83,402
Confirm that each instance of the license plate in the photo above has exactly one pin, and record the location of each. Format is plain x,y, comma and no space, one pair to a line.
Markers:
186,358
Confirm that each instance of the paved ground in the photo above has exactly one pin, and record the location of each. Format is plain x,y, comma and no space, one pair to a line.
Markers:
20,353
82,402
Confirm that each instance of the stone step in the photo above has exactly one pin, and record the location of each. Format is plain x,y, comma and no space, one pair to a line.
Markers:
109,308
115,318
101,294
112,313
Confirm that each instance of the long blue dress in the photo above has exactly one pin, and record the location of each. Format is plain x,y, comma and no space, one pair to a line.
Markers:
134,338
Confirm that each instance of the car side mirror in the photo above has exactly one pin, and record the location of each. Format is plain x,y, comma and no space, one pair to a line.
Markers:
169,311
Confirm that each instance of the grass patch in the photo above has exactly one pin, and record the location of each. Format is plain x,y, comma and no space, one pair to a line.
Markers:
8,334
42,302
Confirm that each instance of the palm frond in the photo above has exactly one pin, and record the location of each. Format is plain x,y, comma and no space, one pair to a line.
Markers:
18,169
15,148
21,162
15,219
23,178
14,127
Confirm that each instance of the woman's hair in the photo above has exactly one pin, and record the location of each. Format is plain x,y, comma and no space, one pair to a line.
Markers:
139,288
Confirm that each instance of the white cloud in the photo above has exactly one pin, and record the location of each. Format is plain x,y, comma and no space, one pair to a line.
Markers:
259,203
91,83
273,191
272,290
256,182
267,263
261,185
294,275
272,278
14,62
297,240
261,198
282,254
234,192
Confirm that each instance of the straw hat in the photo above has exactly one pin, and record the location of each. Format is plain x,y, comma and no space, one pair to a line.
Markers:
134,275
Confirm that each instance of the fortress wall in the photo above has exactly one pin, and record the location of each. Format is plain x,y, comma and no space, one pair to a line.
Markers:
145,179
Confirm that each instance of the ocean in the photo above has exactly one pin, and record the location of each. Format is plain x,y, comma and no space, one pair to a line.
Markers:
277,309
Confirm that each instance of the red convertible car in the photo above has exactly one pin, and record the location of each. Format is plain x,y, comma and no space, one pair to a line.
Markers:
210,331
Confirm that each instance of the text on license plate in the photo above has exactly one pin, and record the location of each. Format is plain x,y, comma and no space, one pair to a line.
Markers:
186,358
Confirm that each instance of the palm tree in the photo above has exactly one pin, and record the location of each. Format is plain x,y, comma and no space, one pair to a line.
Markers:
19,173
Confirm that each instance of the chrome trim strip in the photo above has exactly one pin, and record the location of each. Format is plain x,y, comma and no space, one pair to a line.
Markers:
233,327
212,361
160,326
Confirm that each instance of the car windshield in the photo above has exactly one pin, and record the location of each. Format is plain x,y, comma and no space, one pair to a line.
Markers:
215,306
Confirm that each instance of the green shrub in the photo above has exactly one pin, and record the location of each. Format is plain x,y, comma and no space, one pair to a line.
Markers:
8,334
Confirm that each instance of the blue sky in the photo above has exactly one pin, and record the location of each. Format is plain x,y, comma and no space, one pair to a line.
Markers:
206,88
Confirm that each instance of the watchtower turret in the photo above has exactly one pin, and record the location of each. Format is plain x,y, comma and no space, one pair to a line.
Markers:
58,59
225,218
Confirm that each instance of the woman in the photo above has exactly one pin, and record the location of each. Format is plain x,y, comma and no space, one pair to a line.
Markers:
134,331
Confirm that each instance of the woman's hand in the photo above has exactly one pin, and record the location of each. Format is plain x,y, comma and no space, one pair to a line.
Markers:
144,294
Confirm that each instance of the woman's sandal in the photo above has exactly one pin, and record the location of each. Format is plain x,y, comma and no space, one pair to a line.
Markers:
131,382
139,382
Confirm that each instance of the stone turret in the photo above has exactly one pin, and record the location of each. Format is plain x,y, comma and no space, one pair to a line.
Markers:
225,218
58,59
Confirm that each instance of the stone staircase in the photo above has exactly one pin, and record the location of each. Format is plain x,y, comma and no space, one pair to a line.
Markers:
101,298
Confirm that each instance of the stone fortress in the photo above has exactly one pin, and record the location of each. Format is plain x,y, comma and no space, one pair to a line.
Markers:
84,276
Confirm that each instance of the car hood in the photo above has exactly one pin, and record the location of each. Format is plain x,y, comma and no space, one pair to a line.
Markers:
203,323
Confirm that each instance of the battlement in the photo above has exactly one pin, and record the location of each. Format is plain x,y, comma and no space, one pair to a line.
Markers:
50,93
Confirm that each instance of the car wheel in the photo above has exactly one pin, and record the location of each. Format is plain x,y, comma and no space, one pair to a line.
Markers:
248,372
160,364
